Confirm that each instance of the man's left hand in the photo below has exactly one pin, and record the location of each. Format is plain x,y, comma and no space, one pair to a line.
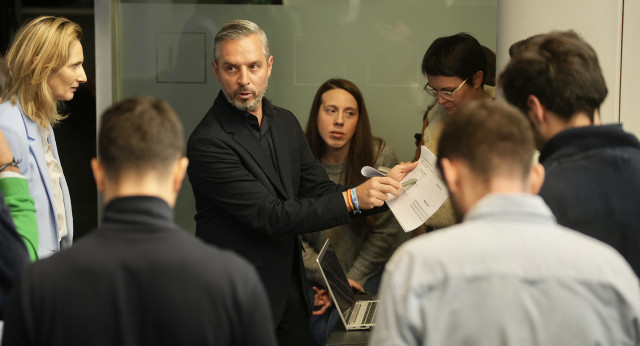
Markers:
322,299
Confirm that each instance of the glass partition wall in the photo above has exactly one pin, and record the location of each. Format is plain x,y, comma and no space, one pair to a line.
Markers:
164,49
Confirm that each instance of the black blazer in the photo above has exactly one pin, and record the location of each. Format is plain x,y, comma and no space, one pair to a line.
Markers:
244,204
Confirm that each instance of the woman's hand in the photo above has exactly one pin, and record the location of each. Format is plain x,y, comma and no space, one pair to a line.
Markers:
399,171
356,287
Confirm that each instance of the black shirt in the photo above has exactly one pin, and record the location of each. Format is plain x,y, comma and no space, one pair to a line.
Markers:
262,132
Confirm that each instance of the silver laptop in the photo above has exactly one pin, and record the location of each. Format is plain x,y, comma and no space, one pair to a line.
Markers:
356,312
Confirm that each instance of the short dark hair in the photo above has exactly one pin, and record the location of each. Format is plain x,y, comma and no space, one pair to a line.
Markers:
492,137
561,69
459,55
517,46
139,134
490,74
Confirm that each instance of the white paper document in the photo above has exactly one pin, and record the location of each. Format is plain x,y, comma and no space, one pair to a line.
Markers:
417,202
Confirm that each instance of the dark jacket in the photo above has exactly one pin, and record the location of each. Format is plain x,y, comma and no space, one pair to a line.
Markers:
592,185
139,280
246,204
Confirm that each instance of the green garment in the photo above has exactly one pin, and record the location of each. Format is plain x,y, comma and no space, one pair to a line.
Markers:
23,211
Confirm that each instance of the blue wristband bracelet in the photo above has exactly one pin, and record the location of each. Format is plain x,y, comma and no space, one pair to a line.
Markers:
354,200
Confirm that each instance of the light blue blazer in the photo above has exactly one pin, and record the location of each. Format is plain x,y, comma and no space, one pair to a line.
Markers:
25,143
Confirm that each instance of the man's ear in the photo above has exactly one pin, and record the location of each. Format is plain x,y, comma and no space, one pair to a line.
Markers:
269,66
536,111
179,171
98,174
536,178
215,69
476,80
451,175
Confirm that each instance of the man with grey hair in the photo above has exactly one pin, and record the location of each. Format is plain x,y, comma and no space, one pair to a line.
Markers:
258,186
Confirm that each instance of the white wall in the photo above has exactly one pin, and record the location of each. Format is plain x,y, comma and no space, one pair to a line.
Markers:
599,22
630,81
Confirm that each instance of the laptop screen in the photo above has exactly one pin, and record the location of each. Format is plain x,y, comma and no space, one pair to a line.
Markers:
336,277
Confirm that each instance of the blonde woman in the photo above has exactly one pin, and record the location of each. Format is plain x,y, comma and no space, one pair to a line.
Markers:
45,62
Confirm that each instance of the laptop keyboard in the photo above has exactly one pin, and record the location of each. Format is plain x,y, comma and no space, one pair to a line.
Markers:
370,313
353,314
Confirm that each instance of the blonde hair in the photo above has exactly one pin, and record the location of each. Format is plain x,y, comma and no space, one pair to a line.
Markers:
41,47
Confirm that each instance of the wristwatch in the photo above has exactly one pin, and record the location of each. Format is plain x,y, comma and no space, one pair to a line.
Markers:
13,163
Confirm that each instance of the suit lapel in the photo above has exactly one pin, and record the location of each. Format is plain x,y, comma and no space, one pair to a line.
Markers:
242,135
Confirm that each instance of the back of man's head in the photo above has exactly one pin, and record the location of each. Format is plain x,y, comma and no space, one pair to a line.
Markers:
560,69
139,136
492,138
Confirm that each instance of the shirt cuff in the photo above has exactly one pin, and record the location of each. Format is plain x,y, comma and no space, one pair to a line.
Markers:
11,175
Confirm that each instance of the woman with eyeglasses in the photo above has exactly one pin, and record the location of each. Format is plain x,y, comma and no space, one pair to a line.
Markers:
455,67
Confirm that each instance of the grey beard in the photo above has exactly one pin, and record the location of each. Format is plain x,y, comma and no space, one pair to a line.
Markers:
247,107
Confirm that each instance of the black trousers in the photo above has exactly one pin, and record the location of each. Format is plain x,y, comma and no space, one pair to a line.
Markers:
293,328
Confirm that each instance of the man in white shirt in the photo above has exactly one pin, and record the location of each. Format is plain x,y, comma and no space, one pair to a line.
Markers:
508,274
